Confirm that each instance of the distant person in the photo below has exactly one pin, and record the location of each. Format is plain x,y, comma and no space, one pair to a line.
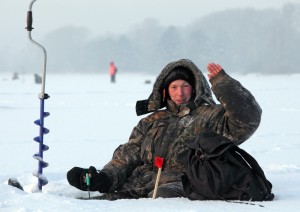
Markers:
181,106
15,76
37,79
112,72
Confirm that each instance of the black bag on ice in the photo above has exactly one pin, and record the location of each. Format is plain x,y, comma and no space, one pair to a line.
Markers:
216,169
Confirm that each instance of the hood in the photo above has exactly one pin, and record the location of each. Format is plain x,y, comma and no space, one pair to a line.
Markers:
155,102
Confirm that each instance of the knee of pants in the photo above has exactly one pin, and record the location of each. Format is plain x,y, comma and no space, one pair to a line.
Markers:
169,190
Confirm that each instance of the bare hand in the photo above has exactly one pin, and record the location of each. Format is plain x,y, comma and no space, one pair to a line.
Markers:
213,70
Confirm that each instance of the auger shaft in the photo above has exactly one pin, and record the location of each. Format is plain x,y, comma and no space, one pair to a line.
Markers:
42,180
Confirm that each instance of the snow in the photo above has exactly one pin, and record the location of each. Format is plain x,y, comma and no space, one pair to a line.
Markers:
90,117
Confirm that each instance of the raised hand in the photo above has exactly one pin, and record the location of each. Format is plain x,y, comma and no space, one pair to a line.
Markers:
213,70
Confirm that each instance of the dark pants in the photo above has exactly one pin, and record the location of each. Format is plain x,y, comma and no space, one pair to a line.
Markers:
113,78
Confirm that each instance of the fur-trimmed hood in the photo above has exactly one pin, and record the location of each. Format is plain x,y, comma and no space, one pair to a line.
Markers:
155,102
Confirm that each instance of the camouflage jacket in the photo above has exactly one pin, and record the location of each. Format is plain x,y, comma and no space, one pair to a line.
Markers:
164,132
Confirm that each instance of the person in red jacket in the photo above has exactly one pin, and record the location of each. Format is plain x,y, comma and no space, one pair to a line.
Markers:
112,72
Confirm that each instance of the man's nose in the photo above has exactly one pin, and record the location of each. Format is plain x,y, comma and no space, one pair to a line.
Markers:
180,91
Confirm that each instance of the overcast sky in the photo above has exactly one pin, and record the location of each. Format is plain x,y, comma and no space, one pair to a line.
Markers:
109,16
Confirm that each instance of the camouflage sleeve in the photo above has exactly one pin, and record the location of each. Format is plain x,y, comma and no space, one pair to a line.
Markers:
126,157
240,114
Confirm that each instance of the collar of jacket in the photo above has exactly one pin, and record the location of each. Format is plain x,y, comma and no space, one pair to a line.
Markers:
181,110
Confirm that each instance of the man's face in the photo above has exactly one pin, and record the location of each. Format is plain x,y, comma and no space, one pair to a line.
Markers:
180,91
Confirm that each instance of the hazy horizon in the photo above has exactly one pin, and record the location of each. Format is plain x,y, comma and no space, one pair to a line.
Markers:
108,18
111,16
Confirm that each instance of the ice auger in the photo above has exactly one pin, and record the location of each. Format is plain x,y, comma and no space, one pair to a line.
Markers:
42,180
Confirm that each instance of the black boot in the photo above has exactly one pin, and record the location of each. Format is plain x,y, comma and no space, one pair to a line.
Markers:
15,183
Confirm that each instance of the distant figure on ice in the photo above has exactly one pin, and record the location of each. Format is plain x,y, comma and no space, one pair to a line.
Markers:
181,106
112,72
37,79
15,76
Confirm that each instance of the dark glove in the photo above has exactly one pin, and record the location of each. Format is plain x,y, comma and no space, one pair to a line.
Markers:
99,181
75,178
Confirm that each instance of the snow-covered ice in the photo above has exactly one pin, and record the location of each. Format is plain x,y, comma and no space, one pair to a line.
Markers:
90,117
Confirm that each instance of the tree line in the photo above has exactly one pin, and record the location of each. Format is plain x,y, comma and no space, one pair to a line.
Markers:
244,40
